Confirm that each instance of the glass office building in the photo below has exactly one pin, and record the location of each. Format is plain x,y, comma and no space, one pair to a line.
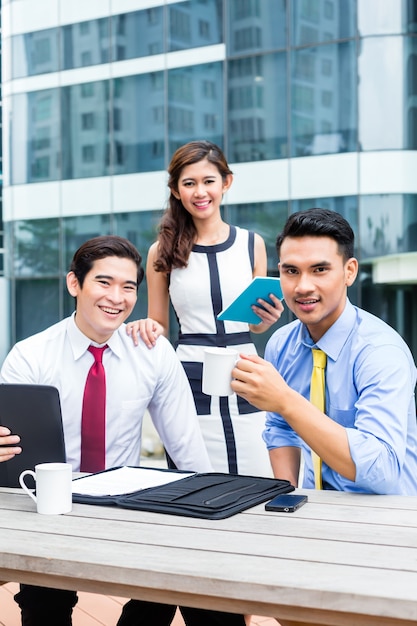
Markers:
313,101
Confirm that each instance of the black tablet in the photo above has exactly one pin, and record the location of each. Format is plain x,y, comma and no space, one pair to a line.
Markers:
34,413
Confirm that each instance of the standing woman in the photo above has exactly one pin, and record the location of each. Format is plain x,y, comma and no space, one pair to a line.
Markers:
202,264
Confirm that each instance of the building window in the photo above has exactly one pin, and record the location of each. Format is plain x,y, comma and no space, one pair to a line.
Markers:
84,28
40,168
88,154
152,16
181,88
326,67
329,10
241,98
308,34
310,10
42,51
42,140
86,58
87,121
181,120
209,89
249,66
117,118
119,153
158,149
248,38
43,109
209,121
305,65
327,98
158,114
157,81
180,25
204,29
303,98
246,8
154,48
87,90
121,24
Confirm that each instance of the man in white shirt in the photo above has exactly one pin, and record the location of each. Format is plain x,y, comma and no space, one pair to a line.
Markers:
104,278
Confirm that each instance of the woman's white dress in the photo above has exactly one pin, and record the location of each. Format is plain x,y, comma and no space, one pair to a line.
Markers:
214,277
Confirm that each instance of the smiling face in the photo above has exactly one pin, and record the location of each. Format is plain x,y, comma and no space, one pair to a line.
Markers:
201,188
314,280
107,297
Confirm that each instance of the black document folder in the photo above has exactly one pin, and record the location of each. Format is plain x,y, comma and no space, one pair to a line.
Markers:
34,413
211,495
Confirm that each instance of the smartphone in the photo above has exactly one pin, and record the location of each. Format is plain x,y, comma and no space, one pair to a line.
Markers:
286,502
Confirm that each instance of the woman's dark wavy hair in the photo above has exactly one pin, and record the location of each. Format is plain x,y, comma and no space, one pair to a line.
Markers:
100,248
176,232
320,223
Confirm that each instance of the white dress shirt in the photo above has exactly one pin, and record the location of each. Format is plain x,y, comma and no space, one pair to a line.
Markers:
136,379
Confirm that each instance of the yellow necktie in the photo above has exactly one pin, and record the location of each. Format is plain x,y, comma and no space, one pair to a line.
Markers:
317,397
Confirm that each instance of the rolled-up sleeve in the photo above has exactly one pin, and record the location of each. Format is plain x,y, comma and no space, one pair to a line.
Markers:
378,440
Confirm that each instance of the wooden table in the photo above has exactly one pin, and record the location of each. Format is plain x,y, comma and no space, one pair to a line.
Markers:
341,559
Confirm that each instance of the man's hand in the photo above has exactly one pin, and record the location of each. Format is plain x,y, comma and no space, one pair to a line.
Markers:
8,448
269,313
259,383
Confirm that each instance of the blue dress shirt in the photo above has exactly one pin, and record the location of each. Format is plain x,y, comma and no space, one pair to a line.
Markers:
370,382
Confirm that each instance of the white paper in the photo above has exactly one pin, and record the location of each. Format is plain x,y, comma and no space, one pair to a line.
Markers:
124,480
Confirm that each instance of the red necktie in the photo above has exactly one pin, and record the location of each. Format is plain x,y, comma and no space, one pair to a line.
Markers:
93,421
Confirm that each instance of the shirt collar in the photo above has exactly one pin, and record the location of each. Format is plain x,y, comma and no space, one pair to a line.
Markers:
80,342
335,338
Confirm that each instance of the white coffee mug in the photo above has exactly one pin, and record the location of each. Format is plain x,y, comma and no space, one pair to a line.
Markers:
218,364
53,487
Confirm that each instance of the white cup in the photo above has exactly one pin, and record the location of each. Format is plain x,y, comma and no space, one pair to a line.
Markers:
217,371
53,487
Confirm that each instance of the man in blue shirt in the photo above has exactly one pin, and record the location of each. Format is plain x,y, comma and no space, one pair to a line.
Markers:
367,436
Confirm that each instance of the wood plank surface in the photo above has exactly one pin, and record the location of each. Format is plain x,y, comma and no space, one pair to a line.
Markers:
341,557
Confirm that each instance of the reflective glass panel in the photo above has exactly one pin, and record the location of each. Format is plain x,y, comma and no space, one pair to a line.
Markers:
35,53
141,229
85,43
256,26
388,224
347,206
138,118
395,304
265,218
194,23
317,21
323,91
126,42
85,130
386,17
195,104
77,230
387,93
35,137
257,108
36,248
31,319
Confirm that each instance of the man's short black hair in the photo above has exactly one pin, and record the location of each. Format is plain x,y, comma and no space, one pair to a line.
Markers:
320,223
100,248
